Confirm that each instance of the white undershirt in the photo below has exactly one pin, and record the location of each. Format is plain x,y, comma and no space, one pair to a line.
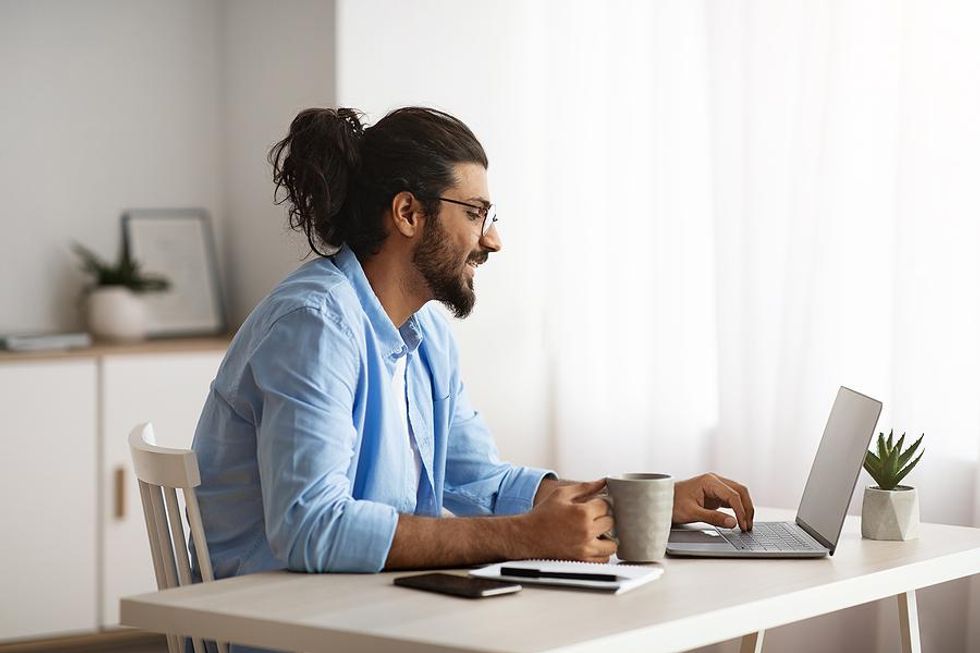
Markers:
399,392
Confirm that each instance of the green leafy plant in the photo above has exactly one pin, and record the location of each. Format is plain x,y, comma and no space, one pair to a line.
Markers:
891,464
125,272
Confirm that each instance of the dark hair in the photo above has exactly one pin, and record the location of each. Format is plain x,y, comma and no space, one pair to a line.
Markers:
339,176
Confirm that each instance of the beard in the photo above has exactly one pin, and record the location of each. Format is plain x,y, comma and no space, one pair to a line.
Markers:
444,272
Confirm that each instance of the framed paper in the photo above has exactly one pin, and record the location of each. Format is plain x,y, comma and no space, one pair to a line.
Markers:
177,244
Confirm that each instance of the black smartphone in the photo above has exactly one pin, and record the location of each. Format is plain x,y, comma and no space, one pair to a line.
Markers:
467,586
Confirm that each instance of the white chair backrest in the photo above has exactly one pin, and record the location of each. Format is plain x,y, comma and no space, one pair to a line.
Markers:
161,471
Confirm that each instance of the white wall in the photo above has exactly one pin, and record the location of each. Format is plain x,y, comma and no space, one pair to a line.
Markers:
408,60
276,59
106,105
116,104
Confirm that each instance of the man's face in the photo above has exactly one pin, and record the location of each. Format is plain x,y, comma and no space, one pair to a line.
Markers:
452,247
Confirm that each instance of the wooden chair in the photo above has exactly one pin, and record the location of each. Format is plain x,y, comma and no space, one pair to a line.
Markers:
160,472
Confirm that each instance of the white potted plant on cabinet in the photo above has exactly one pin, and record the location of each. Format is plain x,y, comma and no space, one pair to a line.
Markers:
114,308
891,511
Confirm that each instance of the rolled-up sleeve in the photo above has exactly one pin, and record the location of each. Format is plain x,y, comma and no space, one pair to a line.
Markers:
477,482
306,372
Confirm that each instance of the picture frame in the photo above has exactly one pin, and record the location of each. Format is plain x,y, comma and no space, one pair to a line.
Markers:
177,244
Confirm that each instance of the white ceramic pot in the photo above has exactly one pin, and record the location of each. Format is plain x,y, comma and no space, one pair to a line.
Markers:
116,313
890,514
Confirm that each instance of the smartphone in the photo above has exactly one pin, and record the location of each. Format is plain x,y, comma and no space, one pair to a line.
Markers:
467,586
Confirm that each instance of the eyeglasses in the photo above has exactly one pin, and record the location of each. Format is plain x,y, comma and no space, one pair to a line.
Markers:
488,212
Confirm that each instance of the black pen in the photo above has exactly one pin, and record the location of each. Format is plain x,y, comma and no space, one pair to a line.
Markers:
567,575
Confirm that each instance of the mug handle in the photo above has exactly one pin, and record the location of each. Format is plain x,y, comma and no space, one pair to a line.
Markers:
611,533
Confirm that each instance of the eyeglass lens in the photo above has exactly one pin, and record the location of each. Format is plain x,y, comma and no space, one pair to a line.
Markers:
489,219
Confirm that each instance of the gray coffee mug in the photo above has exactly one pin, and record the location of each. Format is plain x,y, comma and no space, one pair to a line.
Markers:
642,506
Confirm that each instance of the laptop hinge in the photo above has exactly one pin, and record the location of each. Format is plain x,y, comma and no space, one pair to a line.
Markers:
812,532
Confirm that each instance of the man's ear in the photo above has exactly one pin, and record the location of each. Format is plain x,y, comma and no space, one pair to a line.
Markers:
406,214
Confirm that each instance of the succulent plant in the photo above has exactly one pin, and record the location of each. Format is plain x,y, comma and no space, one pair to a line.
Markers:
126,272
891,464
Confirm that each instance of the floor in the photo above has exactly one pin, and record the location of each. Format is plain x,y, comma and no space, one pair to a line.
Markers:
116,642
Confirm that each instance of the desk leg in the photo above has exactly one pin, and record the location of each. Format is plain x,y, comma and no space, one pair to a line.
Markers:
908,622
752,643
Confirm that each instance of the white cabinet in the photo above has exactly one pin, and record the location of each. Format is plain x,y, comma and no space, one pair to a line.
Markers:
168,390
48,490
72,535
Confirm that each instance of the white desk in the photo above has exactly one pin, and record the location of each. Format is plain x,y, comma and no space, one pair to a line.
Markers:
695,603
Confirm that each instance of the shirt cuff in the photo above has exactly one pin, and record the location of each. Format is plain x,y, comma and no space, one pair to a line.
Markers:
363,541
517,492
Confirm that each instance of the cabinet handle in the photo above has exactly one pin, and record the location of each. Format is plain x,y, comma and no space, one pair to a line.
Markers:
120,493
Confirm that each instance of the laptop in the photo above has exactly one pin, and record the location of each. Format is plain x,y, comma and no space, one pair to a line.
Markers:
823,507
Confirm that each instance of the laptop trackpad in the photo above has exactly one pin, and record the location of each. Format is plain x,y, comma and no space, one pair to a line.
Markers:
695,536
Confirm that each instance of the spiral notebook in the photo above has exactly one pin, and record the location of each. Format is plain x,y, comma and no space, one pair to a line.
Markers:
627,576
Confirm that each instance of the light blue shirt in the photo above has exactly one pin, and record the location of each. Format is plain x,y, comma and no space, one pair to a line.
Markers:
302,450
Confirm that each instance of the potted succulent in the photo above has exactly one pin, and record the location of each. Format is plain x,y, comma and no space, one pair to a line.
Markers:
890,510
113,306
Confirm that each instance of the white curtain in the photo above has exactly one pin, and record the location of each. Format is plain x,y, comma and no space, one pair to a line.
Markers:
623,159
750,205
714,214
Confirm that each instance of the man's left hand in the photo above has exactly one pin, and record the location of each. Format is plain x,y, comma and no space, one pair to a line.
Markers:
698,499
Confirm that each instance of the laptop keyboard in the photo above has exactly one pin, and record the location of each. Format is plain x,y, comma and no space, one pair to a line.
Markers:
770,536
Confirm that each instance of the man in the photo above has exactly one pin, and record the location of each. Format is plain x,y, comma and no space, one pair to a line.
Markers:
338,427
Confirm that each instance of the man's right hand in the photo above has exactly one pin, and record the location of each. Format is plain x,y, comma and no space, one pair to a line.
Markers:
567,524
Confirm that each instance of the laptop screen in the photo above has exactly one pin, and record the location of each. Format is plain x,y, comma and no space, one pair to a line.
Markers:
838,463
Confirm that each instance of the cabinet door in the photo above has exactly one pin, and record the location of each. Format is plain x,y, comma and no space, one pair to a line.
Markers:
48,496
169,390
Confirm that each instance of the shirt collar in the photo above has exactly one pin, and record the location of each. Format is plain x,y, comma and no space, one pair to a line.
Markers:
396,341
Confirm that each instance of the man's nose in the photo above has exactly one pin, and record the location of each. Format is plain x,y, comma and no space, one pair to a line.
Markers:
491,240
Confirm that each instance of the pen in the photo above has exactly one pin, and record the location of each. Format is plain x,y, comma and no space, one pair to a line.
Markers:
568,575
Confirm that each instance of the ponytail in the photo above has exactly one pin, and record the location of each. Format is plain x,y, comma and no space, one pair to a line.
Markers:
315,164
339,177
